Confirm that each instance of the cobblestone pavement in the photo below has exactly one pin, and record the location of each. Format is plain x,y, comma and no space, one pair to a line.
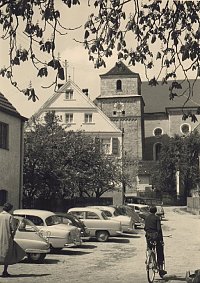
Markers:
120,259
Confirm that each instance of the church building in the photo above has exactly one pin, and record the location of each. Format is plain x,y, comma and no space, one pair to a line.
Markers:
129,116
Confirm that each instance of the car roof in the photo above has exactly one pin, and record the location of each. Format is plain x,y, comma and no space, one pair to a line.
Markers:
103,207
35,212
96,210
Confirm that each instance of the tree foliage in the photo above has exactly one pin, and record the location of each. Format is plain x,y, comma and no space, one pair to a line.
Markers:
160,35
171,25
178,153
61,163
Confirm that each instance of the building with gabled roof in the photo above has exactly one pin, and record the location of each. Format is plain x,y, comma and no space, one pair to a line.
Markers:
11,153
129,115
79,113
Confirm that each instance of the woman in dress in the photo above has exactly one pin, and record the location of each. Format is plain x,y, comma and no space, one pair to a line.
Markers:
10,251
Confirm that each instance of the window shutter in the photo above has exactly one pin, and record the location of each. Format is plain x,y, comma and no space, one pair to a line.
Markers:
115,146
98,143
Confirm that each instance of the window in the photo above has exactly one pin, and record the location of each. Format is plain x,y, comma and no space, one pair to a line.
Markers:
105,145
69,94
157,150
78,214
4,135
158,132
35,219
3,197
91,215
88,118
185,129
69,118
119,85
107,213
115,146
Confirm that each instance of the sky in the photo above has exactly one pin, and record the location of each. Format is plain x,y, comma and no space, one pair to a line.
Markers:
80,69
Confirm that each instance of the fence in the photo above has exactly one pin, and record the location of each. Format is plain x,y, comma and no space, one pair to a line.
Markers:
193,205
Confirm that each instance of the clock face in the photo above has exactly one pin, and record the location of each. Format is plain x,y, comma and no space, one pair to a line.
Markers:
119,106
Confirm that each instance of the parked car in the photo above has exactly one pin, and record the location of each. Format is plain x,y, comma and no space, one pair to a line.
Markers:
160,211
128,211
59,235
99,225
141,209
128,224
70,219
31,240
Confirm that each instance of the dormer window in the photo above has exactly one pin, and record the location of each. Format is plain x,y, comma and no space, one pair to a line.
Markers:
119,85
69,94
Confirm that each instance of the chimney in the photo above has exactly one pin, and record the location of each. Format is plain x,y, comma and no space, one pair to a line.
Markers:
85,91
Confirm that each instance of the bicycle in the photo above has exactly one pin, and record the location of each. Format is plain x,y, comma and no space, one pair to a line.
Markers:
151,262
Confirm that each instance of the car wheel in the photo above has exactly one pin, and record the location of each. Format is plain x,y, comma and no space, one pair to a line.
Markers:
36,257
102,236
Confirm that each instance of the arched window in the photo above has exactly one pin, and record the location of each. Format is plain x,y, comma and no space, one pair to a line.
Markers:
3,197
119,85
157,150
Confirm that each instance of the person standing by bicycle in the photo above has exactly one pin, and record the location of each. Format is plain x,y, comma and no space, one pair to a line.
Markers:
153,231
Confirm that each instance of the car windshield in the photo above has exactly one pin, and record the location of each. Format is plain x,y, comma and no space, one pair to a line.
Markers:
52,220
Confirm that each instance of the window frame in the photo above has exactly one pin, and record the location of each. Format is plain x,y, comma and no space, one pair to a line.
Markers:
189,128
4,135
106,146
87,119
119,85
159,135
69,94
69,121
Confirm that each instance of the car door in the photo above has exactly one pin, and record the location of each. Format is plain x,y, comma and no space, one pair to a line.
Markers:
93,222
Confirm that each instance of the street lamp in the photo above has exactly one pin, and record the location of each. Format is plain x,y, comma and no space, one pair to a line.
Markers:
119,108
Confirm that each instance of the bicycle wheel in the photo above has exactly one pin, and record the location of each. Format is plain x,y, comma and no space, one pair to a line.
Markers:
151,267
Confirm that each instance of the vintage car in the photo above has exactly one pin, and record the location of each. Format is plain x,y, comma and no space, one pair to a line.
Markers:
128,211
99,225
141,209
128,224
59,235
29,238
70,219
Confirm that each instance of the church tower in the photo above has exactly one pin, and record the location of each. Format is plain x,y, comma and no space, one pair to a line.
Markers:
121,101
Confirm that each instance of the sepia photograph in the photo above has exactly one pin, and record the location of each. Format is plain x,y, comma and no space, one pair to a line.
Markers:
99,141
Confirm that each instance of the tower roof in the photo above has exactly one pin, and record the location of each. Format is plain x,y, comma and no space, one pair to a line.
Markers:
120,69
